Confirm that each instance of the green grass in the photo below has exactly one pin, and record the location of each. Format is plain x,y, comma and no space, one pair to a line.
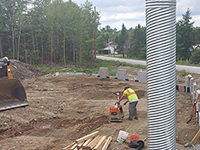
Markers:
49,68
91,68
113,65
105,63
183,62
182,73
120,56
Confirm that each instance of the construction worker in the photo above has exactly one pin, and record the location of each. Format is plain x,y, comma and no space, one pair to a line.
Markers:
132,98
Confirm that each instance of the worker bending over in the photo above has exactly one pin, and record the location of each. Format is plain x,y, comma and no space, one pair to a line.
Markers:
132,98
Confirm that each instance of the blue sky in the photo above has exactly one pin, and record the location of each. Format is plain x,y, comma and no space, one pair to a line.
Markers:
132,12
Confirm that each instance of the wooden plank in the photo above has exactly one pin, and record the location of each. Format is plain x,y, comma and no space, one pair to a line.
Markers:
67,147
101,146
73,147
100,142
80,145
87,137
194,140
93,142
87,142
87,148
107,143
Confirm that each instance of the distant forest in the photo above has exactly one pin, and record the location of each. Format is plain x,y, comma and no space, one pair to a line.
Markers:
60,32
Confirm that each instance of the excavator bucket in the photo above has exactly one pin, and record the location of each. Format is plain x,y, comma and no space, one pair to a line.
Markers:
12,94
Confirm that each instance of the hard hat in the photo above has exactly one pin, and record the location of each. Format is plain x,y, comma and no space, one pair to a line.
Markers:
126,87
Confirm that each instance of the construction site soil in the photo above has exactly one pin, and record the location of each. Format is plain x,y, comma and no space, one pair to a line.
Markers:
66,107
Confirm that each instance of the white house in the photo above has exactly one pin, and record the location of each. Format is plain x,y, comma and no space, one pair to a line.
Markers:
111,48
194,47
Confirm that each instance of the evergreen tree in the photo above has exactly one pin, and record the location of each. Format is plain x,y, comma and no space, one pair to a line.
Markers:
122,40
138,45
196,35
184,36
52,31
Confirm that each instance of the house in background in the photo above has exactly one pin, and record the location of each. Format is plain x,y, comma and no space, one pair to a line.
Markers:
110,49
197,46
194,47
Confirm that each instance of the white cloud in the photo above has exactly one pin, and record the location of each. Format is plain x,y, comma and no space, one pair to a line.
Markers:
123,16
183,5
132,12
128,24
196,18
117,9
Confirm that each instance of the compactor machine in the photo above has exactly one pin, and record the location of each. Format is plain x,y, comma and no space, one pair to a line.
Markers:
116,112
12,92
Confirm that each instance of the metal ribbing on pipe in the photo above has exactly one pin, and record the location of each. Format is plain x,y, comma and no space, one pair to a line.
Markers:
161,73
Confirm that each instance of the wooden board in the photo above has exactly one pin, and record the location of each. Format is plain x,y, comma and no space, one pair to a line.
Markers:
80,145
102,139
107,143
194,140
87,137
87,142
73,147
93,142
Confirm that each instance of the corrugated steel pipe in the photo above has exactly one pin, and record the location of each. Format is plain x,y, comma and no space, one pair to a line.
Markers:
161,74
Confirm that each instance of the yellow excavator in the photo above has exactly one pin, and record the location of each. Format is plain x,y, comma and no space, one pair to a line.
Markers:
12,92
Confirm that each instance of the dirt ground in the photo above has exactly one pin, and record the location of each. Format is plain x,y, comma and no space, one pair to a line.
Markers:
65,107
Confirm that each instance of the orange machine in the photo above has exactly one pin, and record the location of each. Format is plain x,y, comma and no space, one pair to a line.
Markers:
116,112
12,92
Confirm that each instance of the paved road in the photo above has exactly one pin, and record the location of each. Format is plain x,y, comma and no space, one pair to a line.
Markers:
191,69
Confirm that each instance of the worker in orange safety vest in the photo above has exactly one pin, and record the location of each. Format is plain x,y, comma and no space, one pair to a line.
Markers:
132,98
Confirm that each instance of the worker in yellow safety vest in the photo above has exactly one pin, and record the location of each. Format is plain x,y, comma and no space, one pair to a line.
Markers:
132,98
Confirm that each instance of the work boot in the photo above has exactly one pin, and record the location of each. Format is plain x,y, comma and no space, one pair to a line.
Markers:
136,118
130,119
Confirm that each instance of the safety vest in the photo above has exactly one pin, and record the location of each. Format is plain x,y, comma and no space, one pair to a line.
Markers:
131,95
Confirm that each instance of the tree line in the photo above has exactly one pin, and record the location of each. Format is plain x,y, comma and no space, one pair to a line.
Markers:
46,31
58,31
132,42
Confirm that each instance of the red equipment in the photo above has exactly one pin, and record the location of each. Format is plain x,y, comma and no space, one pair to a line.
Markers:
116,112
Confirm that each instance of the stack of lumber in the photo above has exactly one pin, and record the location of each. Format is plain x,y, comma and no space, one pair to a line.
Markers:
92,141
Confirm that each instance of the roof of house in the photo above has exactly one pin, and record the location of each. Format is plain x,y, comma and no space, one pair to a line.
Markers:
193,47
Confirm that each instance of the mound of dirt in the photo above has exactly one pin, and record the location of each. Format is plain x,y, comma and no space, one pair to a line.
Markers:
22,70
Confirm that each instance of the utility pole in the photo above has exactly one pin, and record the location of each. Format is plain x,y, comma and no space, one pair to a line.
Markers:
114,41
95,47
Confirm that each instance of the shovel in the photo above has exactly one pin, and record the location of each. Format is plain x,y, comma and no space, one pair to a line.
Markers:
193,111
